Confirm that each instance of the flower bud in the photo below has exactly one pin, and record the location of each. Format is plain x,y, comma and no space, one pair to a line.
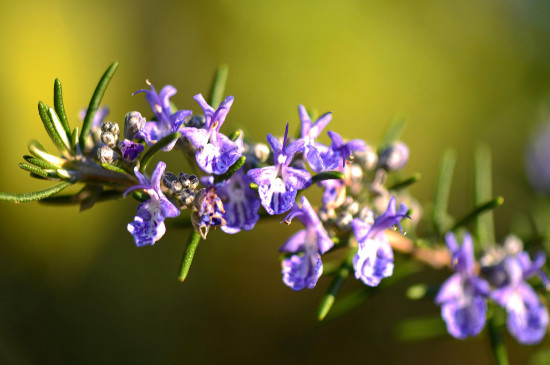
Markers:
188,181
130,150
109,139
109,133
261,152
172,183
187,197
395,157
196,121
133,123
108,126
106,155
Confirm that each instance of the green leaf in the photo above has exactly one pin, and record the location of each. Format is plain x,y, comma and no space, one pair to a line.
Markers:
441,201
394,131
38,151
405,183
420,329
327,175
491,204
60,107
335,286
43,110
95,101
33,196
67,175
40,163
114,168
232,170
218,86
192,244
495,325
50,178
59,129
147,156
482,193
36,170
74,141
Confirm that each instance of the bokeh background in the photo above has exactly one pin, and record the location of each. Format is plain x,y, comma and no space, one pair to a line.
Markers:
74,288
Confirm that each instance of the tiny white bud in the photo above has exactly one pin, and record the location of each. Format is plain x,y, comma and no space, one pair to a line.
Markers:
106,154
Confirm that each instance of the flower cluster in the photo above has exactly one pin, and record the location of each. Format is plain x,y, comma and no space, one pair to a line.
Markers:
232,201
237,181
503,279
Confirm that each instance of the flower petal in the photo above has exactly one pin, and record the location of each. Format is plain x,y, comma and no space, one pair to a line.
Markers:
373,261
164,97
301,272
207,110
320,124
198,137
451,289
295,243
465,320
262,175
297,178
167,209
275,198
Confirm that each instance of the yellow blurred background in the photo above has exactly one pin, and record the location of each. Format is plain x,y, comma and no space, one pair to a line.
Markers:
74,287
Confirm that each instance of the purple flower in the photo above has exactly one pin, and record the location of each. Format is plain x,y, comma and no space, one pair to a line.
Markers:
302,271
278,185
166,122
313,151
304,267
208,211
340,151
215,151
240,202
130,150
527,317
462,296
148,225
374,258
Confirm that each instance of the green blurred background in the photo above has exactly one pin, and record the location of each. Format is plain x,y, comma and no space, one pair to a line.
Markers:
74,288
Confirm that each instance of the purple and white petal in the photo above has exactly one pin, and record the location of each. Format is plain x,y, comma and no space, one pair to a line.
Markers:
275,198
297,178
464,319
300,272
296,243
167,209
207,110
373,261
198,137
276,146
451,289
263,175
